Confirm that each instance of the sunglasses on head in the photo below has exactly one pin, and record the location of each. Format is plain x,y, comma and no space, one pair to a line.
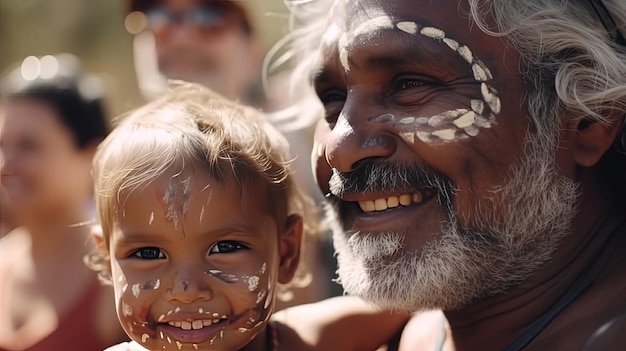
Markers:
209,17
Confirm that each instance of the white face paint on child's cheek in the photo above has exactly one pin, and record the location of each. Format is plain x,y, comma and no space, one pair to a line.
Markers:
149,285
259,286
176,199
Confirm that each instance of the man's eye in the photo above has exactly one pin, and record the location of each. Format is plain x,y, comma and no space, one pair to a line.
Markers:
227,246
332,96
409,83
149,253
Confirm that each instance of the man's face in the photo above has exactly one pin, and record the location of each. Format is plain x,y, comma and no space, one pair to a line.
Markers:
438,198
205,42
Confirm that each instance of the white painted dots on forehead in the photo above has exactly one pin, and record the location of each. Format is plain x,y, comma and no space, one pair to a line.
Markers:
449,125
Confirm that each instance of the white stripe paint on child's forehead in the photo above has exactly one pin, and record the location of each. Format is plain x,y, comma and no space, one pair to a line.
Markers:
448,125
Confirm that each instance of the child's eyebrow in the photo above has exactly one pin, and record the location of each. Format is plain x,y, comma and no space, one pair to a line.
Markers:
131,237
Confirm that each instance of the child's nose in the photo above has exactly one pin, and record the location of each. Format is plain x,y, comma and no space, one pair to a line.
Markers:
190,285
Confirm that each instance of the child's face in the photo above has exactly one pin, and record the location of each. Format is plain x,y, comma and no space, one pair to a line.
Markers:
192,269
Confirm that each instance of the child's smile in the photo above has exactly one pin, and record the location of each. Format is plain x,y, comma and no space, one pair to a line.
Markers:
194,265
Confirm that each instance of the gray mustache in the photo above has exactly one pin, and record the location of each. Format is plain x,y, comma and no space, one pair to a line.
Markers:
391,177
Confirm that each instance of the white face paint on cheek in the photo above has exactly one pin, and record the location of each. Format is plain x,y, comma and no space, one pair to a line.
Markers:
136,290
454,124
127,311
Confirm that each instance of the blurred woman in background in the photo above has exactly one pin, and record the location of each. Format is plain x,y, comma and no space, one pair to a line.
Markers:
51,121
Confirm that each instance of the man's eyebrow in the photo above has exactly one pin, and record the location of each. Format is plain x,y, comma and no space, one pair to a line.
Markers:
405,55
320,76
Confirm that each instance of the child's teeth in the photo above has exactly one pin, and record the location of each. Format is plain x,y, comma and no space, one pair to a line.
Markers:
196,324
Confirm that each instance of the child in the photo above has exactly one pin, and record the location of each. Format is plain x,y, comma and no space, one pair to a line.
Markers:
200,222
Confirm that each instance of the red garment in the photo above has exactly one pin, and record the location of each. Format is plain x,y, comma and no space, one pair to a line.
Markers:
76,331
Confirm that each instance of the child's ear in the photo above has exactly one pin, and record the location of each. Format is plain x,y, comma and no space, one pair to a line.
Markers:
290,248
101,263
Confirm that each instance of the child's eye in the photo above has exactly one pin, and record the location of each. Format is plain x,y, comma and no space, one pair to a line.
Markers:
149,253
227,246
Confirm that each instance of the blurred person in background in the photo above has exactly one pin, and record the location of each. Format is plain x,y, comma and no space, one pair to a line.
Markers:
217,43
221,44
7,219
51,120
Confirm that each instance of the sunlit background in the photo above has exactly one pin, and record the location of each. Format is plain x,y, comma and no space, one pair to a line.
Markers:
93,30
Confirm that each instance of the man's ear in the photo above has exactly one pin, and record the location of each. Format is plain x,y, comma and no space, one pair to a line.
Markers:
290,243
592,139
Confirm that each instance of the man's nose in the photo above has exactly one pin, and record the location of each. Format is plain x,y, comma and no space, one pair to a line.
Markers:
358,137
190,284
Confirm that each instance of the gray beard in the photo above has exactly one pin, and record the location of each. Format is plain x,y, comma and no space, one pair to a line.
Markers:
464,264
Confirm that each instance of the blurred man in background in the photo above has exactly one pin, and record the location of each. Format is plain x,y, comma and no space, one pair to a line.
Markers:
217,43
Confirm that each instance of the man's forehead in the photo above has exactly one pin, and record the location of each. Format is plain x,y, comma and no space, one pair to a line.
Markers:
450,16
441,19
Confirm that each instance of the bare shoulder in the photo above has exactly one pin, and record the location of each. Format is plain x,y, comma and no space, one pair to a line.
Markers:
339,323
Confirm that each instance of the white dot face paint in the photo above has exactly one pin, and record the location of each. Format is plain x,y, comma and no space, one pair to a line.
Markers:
136,290
433,33
205,294
407,27
449,125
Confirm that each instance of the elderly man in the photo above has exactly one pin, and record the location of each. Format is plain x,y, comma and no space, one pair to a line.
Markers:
472,154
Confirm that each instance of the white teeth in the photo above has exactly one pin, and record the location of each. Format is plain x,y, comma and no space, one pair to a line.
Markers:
393,201
405,199
196,324
367,206
380,204
390,202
